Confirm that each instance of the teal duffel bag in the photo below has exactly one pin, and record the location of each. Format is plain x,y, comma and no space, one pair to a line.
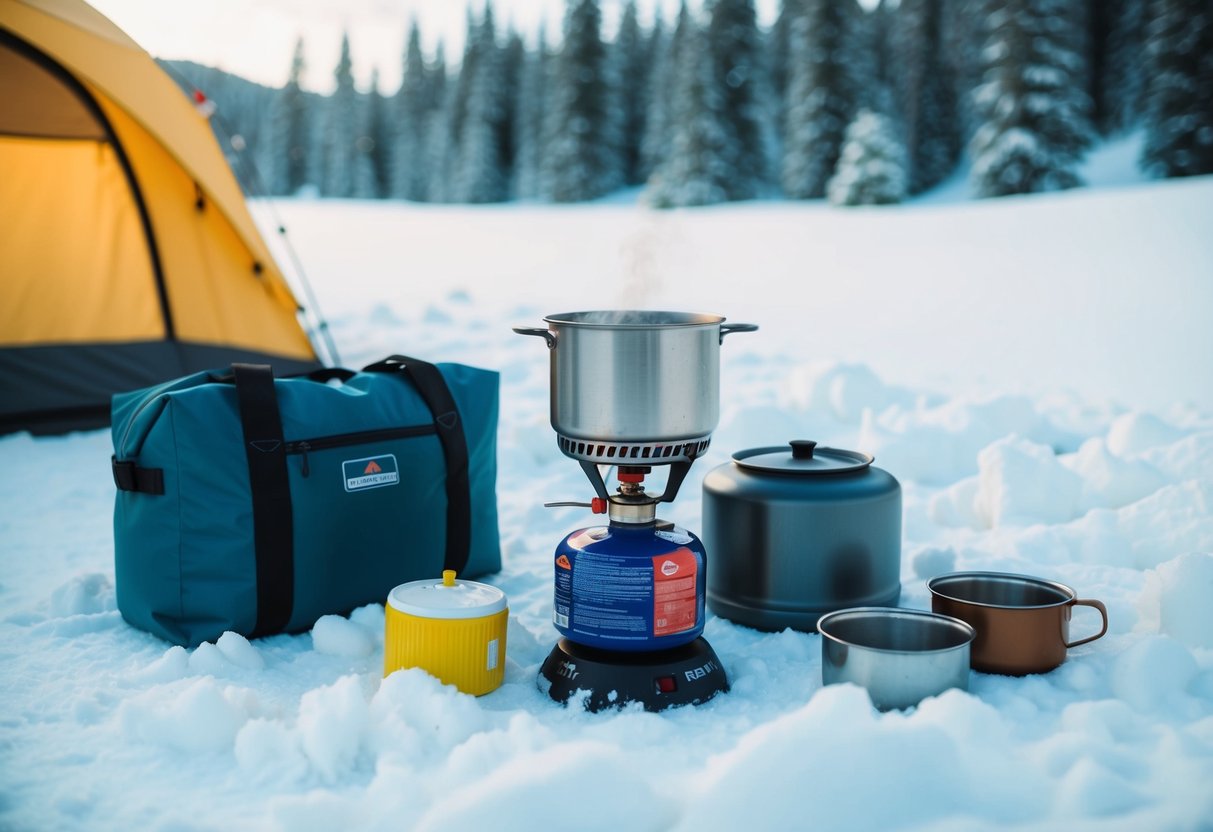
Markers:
257,505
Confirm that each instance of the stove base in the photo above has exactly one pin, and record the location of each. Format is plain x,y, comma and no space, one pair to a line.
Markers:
687,675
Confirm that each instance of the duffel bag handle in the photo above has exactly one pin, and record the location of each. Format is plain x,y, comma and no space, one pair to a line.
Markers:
269,484
437,396
327,374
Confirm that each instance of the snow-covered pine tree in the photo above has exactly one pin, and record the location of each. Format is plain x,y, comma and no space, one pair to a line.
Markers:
372,144
412,107
925,92
438,130
578,162
446,143
734,53
479,173
697,170
820,94
656,140
1033,113
872,167
962,33
291,116
530,103
341,115
778,38
512,59
630,56
1116,58
1178,88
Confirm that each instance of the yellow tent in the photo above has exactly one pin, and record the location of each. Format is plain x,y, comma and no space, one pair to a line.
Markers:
127,253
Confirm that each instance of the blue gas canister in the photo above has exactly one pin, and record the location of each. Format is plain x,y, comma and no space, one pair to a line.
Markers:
630,587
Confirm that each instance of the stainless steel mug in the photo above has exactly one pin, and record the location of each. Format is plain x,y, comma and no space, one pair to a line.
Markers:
900,656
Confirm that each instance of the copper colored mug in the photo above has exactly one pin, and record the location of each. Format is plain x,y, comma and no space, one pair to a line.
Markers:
1022,623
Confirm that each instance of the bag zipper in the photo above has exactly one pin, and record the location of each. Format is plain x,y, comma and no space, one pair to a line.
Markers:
303,446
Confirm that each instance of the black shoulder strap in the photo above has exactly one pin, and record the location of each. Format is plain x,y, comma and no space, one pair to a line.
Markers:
433,389
271,491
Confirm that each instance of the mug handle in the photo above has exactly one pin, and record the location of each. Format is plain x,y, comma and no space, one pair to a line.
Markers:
1103,612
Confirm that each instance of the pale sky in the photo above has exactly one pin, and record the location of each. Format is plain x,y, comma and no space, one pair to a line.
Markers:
255,38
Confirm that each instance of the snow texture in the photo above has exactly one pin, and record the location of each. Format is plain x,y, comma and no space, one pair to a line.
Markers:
1020,459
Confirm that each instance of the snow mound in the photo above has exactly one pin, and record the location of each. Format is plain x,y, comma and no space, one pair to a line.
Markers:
1136,432
1178,598
1021,483
83,595
194,716
334,635
939,444
332,723
1153,674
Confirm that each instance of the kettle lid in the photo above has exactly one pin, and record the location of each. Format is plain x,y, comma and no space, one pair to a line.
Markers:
802,456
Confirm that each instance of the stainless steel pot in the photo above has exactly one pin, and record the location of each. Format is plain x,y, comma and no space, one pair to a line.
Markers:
798,530
627,379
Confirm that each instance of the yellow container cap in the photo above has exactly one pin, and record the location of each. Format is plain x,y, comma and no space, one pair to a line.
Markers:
447,598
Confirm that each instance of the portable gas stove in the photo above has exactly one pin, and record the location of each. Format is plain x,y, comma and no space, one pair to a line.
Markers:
633,391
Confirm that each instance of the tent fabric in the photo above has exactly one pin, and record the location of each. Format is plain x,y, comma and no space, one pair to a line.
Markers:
127,246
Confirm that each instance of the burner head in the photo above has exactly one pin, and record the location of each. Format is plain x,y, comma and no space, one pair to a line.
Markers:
614,452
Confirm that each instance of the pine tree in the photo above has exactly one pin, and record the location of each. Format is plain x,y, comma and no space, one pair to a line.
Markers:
438,130
655,143
530,103
778,40
734,52
630,55
340,153
962,32
820,96
696,172
1034,114
373,145
925,91
291,116
872,167
579,157
1179,88
479,170
1116,56
413,107
512,60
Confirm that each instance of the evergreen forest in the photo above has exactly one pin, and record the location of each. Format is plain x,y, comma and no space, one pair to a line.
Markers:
833,100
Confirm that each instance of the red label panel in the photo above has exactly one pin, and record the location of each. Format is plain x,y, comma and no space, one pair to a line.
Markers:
674,604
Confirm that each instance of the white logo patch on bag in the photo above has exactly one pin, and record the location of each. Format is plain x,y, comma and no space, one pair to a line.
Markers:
370,472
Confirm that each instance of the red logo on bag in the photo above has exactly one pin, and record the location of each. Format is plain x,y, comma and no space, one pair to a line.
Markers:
372,467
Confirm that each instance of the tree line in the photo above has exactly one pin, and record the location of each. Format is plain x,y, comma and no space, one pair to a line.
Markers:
833,100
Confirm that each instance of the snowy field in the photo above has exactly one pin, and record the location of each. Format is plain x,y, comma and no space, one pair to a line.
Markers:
1037,372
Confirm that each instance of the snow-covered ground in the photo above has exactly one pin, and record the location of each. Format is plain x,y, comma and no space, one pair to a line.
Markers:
1037,372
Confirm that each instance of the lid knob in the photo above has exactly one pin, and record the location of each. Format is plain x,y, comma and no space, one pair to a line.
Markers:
448,577
802,448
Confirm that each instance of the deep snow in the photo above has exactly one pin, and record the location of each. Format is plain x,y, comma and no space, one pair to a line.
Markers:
1037,372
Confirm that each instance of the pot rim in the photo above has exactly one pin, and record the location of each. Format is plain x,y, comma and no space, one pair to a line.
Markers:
1007,577
897,612
676,320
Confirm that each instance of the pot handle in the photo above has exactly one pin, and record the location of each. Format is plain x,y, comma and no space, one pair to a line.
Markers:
1103,612
725,329
545,334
